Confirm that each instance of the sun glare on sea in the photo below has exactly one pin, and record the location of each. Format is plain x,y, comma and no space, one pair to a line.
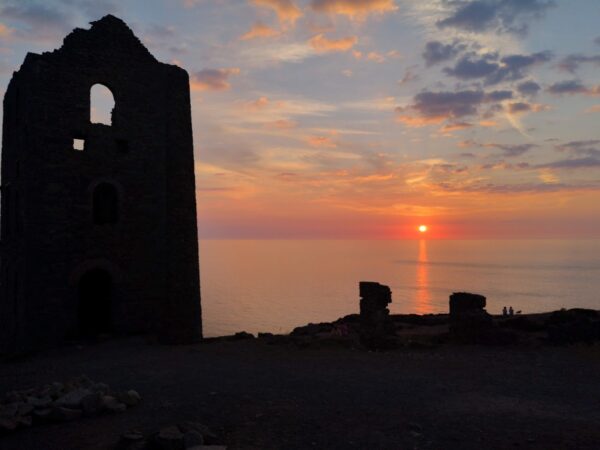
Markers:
422,228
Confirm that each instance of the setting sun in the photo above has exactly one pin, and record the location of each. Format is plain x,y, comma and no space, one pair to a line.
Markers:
422,228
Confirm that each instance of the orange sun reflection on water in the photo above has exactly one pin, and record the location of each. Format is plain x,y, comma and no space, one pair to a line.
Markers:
423,297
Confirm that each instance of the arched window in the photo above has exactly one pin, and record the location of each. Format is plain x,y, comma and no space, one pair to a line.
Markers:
105,204
102,104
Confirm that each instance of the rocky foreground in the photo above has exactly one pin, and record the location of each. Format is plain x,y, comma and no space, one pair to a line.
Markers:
321,387
373,380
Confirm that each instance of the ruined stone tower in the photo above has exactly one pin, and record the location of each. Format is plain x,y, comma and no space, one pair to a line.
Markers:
98,222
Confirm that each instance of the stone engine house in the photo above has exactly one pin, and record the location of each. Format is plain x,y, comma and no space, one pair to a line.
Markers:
98,220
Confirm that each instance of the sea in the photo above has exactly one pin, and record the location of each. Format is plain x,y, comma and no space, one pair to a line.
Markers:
277,285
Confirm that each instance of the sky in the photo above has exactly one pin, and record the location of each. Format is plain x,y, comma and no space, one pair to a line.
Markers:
367,118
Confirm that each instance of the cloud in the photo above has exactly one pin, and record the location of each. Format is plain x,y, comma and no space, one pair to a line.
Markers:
377,57
37,21
575,163
456,126
282,124
354,9
571,63
322,44
523,107
582,148
513,150
259,30
213,79
5,31
529,88
408,77
502,16
436,52
593,109
597,40
321,141
286,10
571,87
508,150
493,70
435,107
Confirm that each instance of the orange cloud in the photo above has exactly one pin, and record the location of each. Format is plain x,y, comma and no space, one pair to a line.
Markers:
282,124
322,44
259,30
417,121
354,9
593,109
377,57
321,141
488,123
286,10
456,126
259,103
5,31
213,79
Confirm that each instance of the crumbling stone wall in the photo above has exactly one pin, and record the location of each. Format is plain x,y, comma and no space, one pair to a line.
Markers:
49,240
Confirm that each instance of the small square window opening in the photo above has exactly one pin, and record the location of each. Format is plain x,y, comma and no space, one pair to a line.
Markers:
79,144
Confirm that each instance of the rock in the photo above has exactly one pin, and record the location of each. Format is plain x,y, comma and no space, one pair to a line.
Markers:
24,421
573,326
265,335
241,335
169,438
111,404
192,438
42,415
40,402
73,398
100,388
63,414
129,398
207,434
9,410
132,436
24,409
8,424
91,404
11,397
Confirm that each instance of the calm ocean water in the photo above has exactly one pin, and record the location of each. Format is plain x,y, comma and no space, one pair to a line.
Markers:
273,285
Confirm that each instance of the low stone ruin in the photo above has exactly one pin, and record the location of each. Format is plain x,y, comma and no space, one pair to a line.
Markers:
469,320
62,402
377,328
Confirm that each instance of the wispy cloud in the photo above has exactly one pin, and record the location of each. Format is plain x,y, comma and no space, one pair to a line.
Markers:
213,79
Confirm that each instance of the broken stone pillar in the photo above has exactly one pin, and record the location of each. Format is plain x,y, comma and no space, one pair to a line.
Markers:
377,328
469,320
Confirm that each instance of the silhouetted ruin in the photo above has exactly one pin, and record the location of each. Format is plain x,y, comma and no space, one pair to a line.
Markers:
98,220
469,321
375,322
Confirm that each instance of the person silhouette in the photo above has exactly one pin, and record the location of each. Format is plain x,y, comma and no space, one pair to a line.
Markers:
504,311
511,311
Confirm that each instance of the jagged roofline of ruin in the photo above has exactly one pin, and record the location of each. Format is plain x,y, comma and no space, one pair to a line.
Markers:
80,39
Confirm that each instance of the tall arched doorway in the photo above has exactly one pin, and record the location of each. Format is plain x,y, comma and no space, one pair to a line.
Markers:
94,307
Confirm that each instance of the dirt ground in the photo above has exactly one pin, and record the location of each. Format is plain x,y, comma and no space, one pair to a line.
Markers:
260,396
